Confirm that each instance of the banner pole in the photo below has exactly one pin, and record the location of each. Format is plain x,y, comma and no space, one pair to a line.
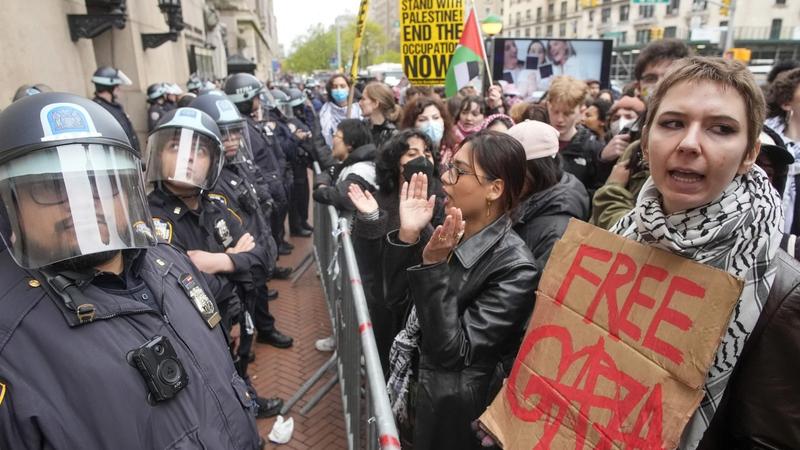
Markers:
487,70
361,25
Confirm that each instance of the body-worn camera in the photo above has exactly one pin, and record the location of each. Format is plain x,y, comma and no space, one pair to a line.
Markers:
160,367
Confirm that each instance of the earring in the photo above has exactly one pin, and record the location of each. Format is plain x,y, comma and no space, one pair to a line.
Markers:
488,207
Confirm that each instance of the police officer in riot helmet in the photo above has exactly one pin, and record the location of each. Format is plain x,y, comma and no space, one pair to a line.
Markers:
156,97
107,82
236,188
185,161
286,153
247,92
107,339
194,84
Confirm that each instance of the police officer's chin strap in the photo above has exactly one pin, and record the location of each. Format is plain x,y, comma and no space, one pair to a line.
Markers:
194,193
66,285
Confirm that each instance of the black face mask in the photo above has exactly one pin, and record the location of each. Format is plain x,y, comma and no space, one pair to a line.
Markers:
418,164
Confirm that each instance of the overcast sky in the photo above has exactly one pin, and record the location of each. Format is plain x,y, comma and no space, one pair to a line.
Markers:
295,17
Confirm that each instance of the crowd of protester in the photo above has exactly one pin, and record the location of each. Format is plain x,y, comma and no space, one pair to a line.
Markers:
457,204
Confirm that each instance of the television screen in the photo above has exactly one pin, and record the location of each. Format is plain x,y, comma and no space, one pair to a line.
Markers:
531,63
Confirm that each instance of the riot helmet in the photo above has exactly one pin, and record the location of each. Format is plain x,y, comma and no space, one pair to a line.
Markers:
71,187
156,91
107,78
185,150
186,99
194,84
282,102
232,126
296,97
242,89
30,89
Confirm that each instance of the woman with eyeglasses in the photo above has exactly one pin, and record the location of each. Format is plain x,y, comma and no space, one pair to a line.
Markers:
471,291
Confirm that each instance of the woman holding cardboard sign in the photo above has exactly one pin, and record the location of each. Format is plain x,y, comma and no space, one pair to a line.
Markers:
707,201
471,287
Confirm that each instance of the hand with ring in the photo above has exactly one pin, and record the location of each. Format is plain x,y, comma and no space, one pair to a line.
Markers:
445,238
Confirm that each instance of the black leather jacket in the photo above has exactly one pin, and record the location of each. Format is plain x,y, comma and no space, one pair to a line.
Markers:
472,312
761,405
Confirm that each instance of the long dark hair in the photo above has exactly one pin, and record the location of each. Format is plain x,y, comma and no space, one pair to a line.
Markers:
387,166
501,157
543,173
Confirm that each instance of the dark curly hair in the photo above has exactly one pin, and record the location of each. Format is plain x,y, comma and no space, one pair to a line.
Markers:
414,108
781,91
387,165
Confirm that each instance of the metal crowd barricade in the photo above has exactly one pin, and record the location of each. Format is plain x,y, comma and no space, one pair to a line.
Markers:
368,415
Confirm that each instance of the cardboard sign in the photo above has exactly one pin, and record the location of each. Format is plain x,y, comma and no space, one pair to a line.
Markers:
617,349
429,33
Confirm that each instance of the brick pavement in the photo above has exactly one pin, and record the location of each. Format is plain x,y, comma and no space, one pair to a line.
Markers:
301,313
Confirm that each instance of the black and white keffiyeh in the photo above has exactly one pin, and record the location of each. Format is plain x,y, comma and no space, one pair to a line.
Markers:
740,233
404,351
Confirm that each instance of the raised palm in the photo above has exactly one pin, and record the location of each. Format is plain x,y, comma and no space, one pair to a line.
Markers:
364,202
416,208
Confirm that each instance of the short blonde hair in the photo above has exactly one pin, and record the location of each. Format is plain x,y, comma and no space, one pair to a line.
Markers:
728,74
567,90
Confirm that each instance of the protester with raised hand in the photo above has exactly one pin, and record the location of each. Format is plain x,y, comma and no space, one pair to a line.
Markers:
472,290
408,152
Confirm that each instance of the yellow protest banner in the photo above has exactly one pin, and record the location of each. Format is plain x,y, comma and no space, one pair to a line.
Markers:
360,26
429,34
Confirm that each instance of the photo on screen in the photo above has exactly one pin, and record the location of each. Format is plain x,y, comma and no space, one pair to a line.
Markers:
531,63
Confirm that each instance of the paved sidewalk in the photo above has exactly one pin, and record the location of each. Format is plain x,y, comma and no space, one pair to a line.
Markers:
300,312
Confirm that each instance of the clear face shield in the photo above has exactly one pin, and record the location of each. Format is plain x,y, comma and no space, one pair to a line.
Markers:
72,200
236,143
184,158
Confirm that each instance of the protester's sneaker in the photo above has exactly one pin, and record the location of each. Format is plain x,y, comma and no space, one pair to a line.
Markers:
268,407
282,273
327,344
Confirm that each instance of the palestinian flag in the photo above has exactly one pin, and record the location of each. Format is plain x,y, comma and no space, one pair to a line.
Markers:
467,59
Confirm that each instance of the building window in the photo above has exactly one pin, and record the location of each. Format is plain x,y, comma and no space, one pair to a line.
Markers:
574,28
671,32
527,31
699,5
605,15
623,38
518,32
527,15
539,14
642,36
577,5
549,32
624,11
562,29
775,29
591,16
780,2
646,11
563,9
519,17
538,31
673,7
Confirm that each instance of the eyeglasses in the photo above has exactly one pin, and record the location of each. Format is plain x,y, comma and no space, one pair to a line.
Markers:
452,172
53,192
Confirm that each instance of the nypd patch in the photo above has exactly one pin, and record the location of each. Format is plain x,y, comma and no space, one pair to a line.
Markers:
163,229
66,121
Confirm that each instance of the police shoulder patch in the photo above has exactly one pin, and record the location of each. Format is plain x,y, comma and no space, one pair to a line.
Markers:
163,229
219,198
3,390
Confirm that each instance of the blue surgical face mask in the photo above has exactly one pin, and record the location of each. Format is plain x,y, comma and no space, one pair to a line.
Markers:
339,95
434,130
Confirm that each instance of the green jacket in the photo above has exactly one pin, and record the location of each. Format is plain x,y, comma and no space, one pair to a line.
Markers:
613,200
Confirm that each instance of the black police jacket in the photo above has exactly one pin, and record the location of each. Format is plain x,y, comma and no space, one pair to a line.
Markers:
472,313
116,110
154,113
264,146
212,228
66,384
240,195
